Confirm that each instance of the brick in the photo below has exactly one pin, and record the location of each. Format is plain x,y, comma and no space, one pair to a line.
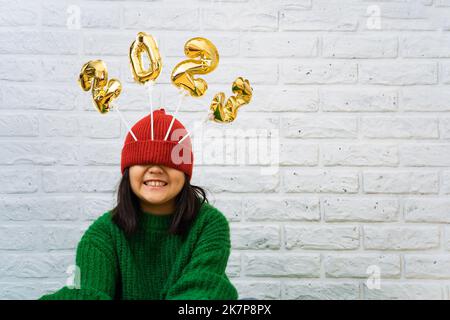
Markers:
424,154
363,99
398,16
400,238
19,13
257,289
230,206
444,72
319,127
19,237
255,237
285,265
28,290
404,291
445,182
324,16
296,99
345,154
237,180
399,127
398,73
94,206
408,182
276,45
357,265
93,126
107,43
425,46
289,154
59,237
175,18
74,16
34,42
19,181
331,72
19,125
435,99
42,98
257,71
435,266
427,210
295,180
321,238
300,290
360,209
100,153
58,125
444,128
285,209
35,265
244,18
446,239
351,46
20,69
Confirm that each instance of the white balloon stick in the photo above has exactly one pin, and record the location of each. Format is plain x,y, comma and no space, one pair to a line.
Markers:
149,86
181,98
125,122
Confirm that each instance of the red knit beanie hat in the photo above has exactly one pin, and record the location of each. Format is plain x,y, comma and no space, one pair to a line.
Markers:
157,151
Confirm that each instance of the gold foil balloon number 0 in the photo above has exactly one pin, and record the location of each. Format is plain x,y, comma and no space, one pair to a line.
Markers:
226,111
145,43
94,76
204,59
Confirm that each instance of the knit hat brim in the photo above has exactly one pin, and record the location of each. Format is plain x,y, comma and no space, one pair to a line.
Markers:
162,152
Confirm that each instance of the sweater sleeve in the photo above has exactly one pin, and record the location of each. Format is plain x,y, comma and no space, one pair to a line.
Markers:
97,267
204,277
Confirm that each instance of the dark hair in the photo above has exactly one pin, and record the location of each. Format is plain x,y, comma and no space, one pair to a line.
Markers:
187,202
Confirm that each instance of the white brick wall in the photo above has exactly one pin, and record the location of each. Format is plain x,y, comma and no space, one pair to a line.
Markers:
358,91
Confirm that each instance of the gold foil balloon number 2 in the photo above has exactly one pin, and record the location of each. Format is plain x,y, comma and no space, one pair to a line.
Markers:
208,59
94,76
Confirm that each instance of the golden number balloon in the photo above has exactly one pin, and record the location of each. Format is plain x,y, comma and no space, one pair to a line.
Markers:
204,59
94,76
145,43
225,112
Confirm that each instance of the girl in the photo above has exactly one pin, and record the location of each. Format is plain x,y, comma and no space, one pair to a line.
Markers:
163,240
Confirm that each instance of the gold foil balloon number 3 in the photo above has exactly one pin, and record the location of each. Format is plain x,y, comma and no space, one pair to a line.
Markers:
204,59
226,111
94,76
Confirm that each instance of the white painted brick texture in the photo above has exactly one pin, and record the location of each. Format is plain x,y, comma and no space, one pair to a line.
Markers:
358,92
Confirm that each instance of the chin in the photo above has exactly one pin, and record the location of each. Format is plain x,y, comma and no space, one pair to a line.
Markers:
155,200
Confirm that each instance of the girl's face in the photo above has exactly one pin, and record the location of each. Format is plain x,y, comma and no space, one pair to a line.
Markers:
156,186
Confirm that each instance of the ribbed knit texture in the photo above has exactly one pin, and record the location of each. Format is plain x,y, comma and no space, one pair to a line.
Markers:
158,150
154,264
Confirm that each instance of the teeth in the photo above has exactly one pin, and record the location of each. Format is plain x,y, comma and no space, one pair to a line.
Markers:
155,183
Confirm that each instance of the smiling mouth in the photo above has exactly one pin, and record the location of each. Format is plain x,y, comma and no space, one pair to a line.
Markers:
155,183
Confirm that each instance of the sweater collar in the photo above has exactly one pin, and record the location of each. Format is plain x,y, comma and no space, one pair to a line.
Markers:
151,220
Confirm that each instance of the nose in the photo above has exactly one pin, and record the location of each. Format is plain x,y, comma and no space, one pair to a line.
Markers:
154,168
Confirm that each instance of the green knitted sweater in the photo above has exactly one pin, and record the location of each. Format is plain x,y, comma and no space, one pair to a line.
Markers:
153,264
